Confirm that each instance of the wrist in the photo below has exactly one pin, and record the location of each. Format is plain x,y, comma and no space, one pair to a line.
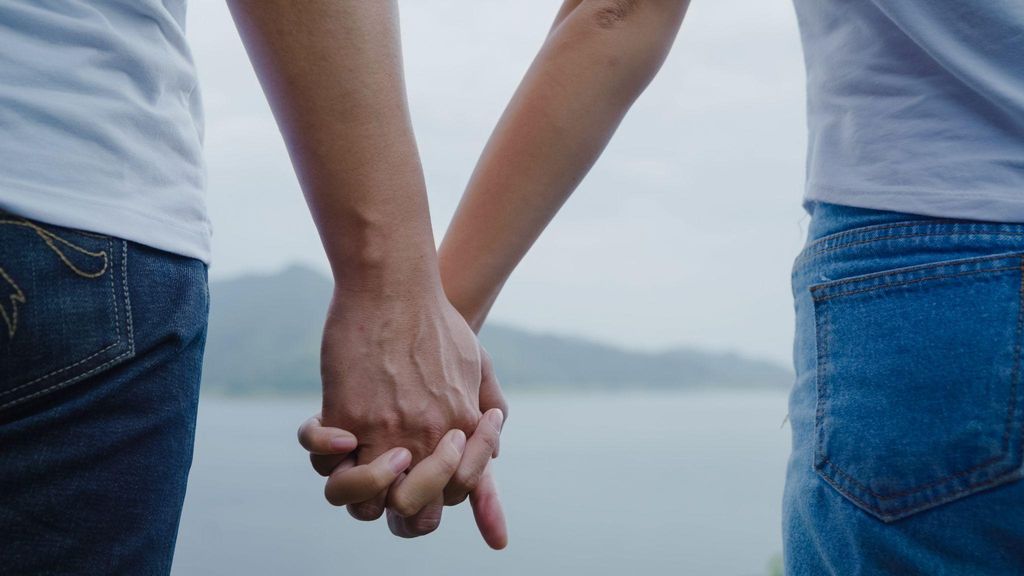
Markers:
473,311
469,296
384,261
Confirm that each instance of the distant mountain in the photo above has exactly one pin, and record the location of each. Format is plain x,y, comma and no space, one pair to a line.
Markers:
264,338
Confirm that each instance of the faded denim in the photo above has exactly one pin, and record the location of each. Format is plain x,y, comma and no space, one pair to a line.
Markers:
907,413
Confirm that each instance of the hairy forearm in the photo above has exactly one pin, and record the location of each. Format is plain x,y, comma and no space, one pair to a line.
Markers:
598,58
332,72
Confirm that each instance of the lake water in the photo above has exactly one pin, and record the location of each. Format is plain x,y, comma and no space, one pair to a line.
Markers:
608,484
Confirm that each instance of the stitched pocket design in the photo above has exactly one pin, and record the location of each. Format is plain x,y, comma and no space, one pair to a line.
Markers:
918,382
65,313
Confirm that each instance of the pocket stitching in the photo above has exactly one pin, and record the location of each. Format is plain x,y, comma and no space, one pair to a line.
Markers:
117,330
902,511
913,281
127,353
861,236
915,269
902,236
822,461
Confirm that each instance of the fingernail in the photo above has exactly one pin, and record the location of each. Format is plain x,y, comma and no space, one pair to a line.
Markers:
399,461
496,418
342,443
459,440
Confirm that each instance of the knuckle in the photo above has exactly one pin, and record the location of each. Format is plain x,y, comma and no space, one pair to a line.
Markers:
403,504
432,428
421,451
358,420
491,439
422,433
389,422
379,477
467,422
460,486
493,442
448,463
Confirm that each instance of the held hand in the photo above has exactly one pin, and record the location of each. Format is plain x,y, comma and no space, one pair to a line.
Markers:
331,455
398,371
472,477
402,372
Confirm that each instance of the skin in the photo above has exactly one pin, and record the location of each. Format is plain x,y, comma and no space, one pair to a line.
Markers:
598,58
401,368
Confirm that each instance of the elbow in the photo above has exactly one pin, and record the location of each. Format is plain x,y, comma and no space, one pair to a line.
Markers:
611,14
631,36
641,29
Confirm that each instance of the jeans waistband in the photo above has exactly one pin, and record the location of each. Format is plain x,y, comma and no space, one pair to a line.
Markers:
835,227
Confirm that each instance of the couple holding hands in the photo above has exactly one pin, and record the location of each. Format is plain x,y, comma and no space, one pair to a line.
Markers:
906,411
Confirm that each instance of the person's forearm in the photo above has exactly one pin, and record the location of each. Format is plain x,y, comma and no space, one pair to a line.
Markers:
400,367
598,58
332,72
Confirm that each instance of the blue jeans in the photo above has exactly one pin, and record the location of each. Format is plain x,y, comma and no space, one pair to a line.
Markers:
101,344
908,410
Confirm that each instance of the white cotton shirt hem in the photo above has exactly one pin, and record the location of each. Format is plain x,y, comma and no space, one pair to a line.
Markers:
981,205
189,237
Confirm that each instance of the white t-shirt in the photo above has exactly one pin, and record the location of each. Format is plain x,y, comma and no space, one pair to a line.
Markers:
916,105
100,120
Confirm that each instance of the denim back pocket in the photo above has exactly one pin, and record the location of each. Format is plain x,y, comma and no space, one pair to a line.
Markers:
918,382
65,313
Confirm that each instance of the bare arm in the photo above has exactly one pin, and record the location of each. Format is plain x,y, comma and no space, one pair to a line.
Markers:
332,72
597,59
400,367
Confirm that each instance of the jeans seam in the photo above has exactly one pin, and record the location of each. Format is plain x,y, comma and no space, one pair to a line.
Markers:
821,460
127,299
906,282
806,255
67,381
920,487
822,348
888,515
127,353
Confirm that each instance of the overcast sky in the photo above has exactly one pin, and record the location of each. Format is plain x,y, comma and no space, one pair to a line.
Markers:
683,234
